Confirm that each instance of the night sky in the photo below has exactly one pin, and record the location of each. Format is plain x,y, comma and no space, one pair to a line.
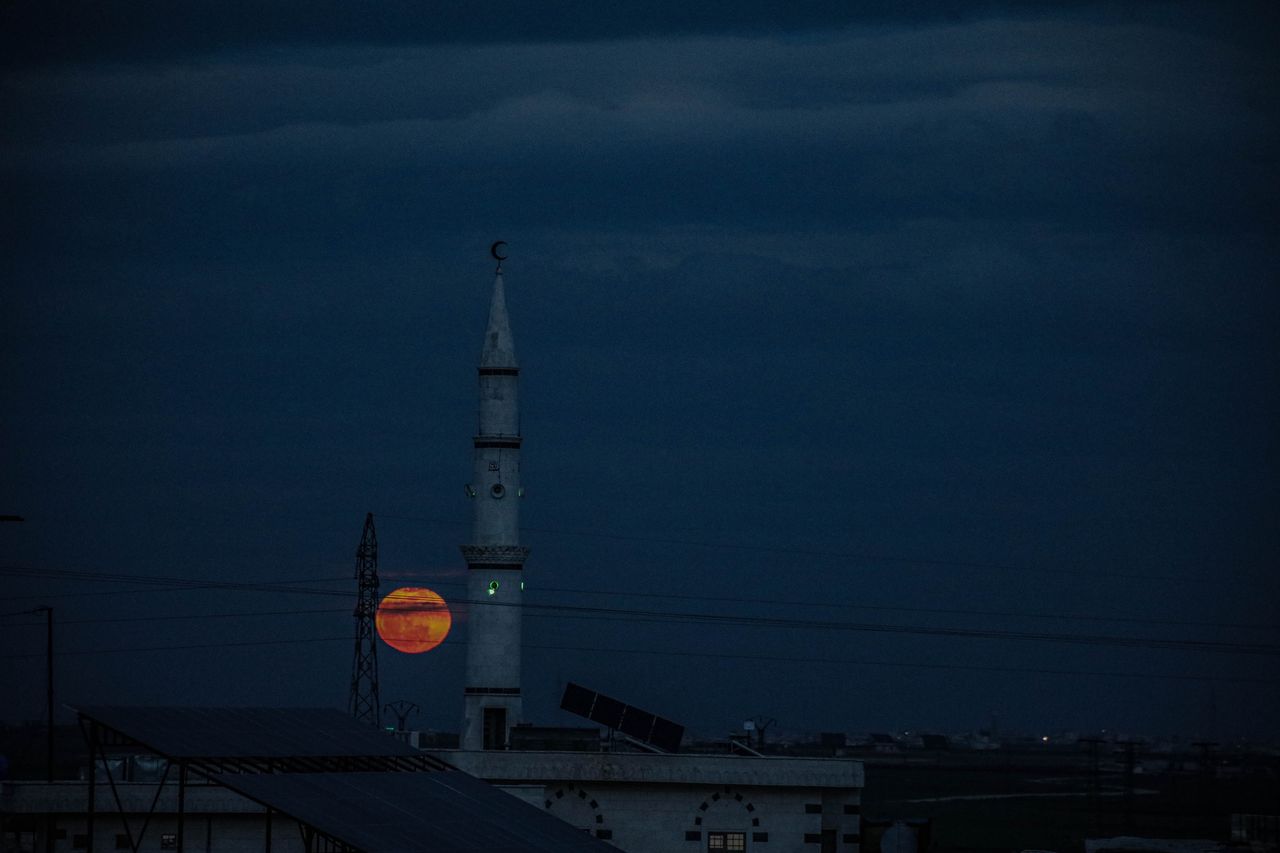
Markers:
859,330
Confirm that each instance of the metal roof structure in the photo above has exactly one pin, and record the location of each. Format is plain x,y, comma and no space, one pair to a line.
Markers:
231,733
449,812
350,787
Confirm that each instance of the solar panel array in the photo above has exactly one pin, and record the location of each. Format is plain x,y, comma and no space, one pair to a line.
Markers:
619,716
412,812
425,805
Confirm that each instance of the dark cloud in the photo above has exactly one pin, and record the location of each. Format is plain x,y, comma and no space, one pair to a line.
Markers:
960,286
148,31
1056,122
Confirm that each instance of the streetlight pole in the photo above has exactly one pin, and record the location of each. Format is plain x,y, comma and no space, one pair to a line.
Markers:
48,671
50,822
48,683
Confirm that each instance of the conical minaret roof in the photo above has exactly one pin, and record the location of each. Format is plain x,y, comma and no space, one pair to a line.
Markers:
499,347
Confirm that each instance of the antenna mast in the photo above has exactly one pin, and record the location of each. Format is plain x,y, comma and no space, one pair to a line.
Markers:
364,704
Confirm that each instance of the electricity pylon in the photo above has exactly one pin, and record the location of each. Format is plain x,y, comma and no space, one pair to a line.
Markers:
364,704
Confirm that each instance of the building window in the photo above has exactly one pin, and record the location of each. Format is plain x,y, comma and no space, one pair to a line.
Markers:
169,841
813,808
80,841
495,719
727,841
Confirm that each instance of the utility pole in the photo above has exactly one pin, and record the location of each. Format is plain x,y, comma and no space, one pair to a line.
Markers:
1129,765
364,704
1093,744
402,708
48,683
1208,773
50,824
762,725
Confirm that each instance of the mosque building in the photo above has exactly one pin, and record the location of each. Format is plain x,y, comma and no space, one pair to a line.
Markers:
640,798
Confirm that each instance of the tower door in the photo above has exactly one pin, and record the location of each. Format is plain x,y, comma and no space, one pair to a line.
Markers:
495,728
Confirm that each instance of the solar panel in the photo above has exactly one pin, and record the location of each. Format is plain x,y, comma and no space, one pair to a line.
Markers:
637,723
618,715
666,735
449,812
607,711
424,805
578,700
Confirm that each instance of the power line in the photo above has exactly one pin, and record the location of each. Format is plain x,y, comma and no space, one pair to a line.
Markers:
288,586
920,630
668,617
692,654
187,617
174,582
1071,617
572,612
840,605
875,557
182,585
897,559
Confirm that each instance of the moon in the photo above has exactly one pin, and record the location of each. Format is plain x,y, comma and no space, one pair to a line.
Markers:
413,620
499,250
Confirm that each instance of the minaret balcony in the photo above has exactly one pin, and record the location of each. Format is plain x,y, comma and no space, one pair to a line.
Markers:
494,555
499,439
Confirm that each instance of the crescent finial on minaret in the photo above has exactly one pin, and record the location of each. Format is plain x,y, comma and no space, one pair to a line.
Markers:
499,252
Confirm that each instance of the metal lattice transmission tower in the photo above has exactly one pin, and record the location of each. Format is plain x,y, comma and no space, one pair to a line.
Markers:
364,704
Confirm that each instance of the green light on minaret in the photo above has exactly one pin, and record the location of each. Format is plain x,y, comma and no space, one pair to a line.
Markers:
493,587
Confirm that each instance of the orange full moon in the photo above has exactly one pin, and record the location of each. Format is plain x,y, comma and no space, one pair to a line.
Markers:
413,620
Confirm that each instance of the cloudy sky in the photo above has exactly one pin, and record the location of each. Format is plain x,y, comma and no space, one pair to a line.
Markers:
926,363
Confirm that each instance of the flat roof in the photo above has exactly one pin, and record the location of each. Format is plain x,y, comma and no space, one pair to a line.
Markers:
511,765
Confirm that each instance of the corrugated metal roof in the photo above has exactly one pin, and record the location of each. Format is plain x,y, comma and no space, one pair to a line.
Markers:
247,732
442,812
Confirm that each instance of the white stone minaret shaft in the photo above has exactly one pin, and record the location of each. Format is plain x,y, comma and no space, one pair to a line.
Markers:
495,558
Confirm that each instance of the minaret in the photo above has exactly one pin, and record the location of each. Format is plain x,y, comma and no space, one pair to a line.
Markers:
494,557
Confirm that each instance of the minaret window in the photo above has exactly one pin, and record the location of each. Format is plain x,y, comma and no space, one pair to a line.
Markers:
497,490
